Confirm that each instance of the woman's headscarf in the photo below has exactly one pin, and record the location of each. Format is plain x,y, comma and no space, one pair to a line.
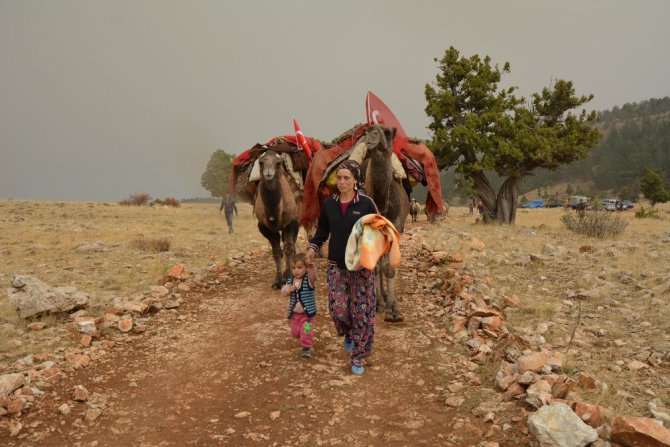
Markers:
355,169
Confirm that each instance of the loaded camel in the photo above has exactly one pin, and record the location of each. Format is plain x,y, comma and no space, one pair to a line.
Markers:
393,203
277,210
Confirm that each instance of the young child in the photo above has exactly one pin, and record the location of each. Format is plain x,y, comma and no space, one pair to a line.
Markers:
302,304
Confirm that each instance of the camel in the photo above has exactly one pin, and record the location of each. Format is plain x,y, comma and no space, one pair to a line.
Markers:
414,210
393,203
277,210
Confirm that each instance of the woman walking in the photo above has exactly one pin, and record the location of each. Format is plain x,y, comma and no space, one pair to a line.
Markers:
352,299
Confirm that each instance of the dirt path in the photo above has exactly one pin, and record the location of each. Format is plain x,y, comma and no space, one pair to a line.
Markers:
223,370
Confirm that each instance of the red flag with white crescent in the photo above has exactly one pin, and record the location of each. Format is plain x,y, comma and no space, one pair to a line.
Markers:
302,141
379,113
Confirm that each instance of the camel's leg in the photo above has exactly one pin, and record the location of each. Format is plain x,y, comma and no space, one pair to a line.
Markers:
391,311
379,285
289,235
275,242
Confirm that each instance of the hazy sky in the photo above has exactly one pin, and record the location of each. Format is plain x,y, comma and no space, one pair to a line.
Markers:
103,99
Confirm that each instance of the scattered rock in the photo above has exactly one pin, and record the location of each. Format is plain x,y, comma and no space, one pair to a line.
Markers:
80,393
64,409
556,425
638,431
11,382
32,297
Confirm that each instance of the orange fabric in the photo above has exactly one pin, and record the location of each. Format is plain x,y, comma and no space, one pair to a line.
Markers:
372,236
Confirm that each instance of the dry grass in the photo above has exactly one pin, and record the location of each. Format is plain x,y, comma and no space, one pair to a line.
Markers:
45,239
155,245
620,311
48,240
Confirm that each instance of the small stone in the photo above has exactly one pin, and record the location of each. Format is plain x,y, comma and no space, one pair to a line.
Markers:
16,405
14,428
636,365
86,340
125,324
455,401
64,409
80,393
242,414
37,326
274,415
92,414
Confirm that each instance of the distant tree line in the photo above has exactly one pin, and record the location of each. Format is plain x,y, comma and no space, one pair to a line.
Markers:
636,137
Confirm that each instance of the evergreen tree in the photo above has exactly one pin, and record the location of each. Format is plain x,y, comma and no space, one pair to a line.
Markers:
651,185
216,175
478,128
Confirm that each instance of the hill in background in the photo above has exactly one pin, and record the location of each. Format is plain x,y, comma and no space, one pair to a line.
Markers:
635,137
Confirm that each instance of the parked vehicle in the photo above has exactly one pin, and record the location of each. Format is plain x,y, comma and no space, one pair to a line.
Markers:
608,204
533,204
575,201
626,205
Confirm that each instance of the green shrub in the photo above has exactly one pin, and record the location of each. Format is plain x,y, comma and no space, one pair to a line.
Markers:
642,213
598,224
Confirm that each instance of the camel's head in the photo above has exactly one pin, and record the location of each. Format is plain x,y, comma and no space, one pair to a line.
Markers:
379,140
270,164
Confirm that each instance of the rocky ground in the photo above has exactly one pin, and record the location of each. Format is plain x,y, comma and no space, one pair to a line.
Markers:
500,323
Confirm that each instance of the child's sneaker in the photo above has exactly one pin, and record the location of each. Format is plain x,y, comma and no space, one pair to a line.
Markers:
357,369
306,352
348,345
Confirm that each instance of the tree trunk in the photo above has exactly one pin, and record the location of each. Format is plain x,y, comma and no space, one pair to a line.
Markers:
486,195
508,196
499,208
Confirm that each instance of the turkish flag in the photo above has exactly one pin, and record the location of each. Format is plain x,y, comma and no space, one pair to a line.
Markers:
379,113
302,141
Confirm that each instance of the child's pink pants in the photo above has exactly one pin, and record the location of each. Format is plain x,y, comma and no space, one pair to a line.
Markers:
299,330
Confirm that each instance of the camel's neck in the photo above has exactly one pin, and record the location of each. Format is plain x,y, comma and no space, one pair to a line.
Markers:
379,176
270,192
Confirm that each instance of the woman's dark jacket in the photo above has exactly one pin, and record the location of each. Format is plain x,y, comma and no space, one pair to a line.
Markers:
332,223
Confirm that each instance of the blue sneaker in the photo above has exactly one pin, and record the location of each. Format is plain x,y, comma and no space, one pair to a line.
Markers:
348,345
357,369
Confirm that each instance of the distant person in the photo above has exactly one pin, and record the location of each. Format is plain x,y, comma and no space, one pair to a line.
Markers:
228,205
302,304
581,208
480,207
471,205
